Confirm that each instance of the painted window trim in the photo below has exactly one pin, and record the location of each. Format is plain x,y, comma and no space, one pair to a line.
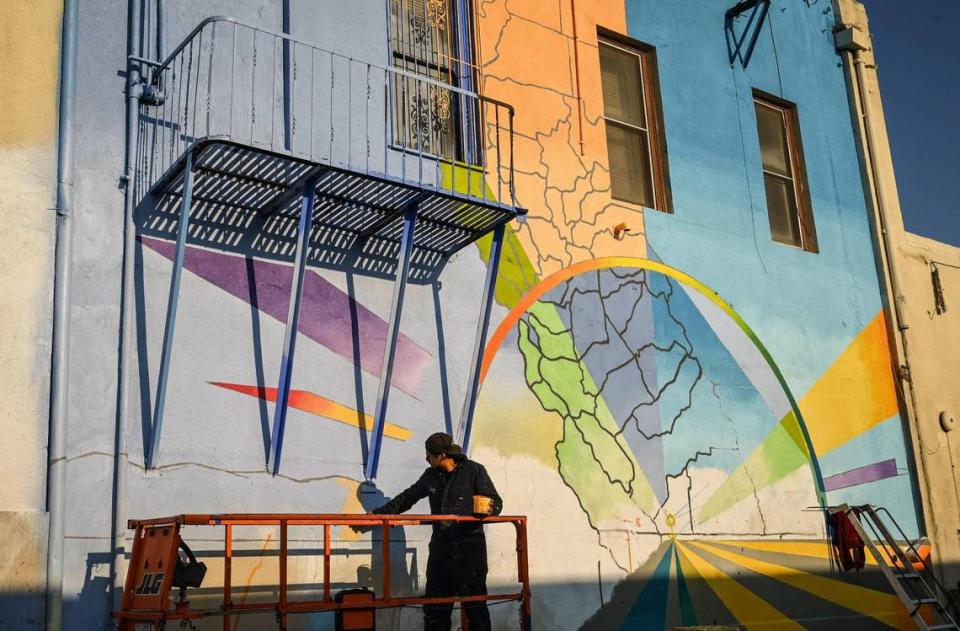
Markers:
653,108
801,187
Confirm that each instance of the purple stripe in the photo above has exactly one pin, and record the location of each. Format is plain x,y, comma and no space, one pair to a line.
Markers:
862,475
324,311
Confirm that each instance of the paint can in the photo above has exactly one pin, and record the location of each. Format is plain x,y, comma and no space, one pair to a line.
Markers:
482,505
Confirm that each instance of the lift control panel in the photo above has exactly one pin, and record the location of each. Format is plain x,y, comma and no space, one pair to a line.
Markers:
152,565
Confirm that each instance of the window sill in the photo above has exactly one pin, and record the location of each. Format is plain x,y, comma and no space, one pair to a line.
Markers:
637,207
794,246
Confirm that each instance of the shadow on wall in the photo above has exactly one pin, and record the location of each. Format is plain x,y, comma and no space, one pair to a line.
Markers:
643,601
249,232
403,577
21,610
87,609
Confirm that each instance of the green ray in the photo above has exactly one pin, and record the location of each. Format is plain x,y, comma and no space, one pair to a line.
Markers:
781,453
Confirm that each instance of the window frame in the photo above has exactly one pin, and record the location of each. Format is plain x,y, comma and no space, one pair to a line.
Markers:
653,111
798,170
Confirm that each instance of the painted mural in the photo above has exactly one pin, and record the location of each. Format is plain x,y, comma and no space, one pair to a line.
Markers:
660,446
672,399
667,422
630,408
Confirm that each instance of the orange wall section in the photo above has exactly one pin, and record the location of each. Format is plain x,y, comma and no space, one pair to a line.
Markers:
526,53
29,64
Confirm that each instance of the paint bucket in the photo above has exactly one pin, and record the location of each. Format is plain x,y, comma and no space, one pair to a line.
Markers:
482,505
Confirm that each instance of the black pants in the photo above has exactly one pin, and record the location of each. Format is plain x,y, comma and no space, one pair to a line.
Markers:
457,568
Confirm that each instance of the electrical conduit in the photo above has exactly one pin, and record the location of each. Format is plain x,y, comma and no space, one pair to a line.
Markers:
133,92
856,68
60,355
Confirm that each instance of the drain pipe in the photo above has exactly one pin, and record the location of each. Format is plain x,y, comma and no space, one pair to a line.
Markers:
576,73
60,356
161,52
287,79
127,340
892,264
850,42
869,123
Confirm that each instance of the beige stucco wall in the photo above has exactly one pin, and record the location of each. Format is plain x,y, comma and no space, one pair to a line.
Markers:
934,355
29,66
29,74
930,343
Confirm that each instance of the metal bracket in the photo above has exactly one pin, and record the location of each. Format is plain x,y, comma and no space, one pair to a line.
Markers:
309,193
171,319
393,330
734,43
285,197
905,372
473,382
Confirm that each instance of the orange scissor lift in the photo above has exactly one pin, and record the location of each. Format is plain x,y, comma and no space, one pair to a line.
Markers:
154,571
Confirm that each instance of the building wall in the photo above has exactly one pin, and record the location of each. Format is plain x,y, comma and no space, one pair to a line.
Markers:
934,338
709,448
930,335
644,398
29,64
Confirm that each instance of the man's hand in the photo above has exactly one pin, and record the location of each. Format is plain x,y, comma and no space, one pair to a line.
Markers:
361,529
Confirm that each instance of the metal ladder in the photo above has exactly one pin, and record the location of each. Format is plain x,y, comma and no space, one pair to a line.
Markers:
922,601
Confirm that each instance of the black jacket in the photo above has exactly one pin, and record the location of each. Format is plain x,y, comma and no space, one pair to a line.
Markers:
450,494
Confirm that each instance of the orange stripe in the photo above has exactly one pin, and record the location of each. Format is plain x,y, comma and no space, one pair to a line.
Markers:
532,296
856,393
315,404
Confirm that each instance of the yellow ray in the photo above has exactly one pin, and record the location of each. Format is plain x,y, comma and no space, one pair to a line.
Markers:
750,610
856,393
853,396
812,549
886,608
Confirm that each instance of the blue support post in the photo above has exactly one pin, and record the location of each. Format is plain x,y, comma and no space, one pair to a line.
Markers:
293,322
390,348
172,302
473,385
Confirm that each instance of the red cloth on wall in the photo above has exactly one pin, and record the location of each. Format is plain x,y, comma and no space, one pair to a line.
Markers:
847,544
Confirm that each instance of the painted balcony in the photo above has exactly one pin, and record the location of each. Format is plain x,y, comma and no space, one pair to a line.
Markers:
258,143
261,114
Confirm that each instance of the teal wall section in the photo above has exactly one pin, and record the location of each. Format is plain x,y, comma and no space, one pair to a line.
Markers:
806,307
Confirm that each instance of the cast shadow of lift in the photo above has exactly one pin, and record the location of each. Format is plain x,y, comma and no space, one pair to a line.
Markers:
253,236
643,600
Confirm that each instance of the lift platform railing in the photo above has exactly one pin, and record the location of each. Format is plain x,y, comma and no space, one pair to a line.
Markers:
237,83
147,601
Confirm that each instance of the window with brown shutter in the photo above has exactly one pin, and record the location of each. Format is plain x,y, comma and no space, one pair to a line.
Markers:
631,112
784,176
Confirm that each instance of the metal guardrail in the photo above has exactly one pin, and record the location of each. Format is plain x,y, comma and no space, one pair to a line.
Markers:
235,82
147,595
